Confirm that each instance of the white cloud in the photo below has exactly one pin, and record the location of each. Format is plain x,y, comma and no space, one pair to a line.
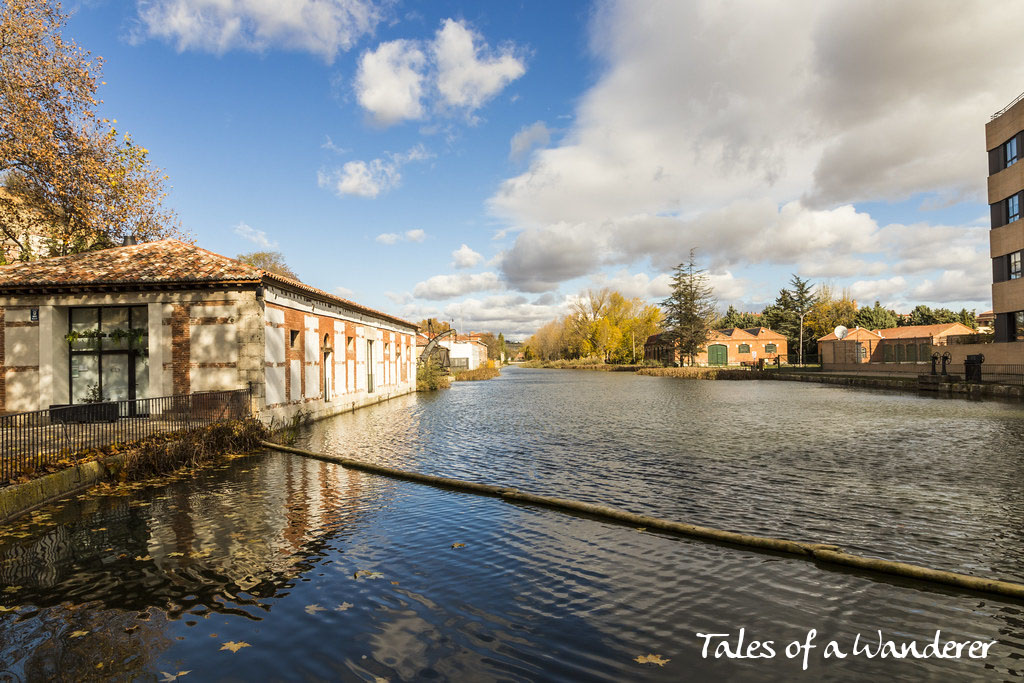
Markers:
389,83
956,285
888,291
253,235
511,314
415,235
464,257
777,119
456,71
344,292
528,137
464,78
460,284
369,179
322,27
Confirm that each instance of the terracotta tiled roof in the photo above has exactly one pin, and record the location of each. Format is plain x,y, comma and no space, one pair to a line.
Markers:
164,262
911,331
856,334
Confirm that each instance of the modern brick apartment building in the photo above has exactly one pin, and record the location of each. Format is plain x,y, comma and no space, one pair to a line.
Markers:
1004,139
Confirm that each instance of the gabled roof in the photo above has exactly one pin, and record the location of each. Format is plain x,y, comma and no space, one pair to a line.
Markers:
856,334
939,330
161,263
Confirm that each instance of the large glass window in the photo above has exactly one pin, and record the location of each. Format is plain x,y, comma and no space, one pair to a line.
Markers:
1010,152
1015,265
109,348
1018,325
1013,208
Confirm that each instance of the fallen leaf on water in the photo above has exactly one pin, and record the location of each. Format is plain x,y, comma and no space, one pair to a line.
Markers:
367,574
79,634
175,554
652,659
313,609
343,606
641,529
8,609
143,558
394,583
173,677
12,589
458,545
233,646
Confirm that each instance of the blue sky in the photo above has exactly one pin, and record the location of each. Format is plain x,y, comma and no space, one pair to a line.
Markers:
486,162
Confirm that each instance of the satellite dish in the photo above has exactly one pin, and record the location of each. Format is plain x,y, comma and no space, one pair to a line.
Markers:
841,332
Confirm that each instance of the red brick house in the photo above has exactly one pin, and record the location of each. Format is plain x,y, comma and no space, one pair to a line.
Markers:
734,346
899,345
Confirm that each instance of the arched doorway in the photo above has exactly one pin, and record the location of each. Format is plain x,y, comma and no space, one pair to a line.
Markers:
718,354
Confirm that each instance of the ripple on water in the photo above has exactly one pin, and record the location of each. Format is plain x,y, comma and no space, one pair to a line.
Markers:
332,574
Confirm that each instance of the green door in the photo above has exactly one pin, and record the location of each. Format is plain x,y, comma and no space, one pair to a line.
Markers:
718,354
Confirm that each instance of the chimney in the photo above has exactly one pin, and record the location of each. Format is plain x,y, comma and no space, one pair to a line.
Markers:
129,240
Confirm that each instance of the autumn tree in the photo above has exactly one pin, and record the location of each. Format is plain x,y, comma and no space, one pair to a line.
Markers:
70,178
270,261
433,326
690,308
830,311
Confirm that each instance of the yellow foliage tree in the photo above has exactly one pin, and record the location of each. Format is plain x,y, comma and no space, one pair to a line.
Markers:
70,177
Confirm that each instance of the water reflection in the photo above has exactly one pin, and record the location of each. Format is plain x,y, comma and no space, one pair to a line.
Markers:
331,574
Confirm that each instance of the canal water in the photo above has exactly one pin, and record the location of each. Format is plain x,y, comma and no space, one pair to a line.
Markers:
276,567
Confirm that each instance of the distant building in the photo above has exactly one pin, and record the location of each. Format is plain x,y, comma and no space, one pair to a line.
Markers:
909,344
168,318
1004,140
986,322
465,352
725,347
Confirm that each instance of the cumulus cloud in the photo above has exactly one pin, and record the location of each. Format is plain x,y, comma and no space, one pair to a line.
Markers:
369,179
467,76
322,27
256,236
415,235
777,121
460,284
955,285
887,291
528,138
464,257
389,82
455,71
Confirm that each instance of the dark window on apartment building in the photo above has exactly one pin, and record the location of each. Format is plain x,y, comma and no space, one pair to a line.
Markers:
1006,211
1006,154
1018,326
1013,208
1008,267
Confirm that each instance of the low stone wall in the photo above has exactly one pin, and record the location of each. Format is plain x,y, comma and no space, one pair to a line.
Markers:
18,499
907,383
282,414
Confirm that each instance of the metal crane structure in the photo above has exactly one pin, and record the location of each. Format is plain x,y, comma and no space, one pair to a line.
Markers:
441,352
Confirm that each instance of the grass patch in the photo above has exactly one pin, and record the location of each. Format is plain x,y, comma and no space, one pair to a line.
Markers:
429,377
704,373
482,372
184,450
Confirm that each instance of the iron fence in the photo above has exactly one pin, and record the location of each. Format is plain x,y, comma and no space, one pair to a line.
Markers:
32,439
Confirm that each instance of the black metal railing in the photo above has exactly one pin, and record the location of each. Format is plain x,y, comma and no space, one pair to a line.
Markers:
28,441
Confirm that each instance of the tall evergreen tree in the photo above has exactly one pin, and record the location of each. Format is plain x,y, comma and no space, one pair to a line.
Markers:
690,308
802,299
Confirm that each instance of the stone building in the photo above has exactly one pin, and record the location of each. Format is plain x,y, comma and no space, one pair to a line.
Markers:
1004,140
168,318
